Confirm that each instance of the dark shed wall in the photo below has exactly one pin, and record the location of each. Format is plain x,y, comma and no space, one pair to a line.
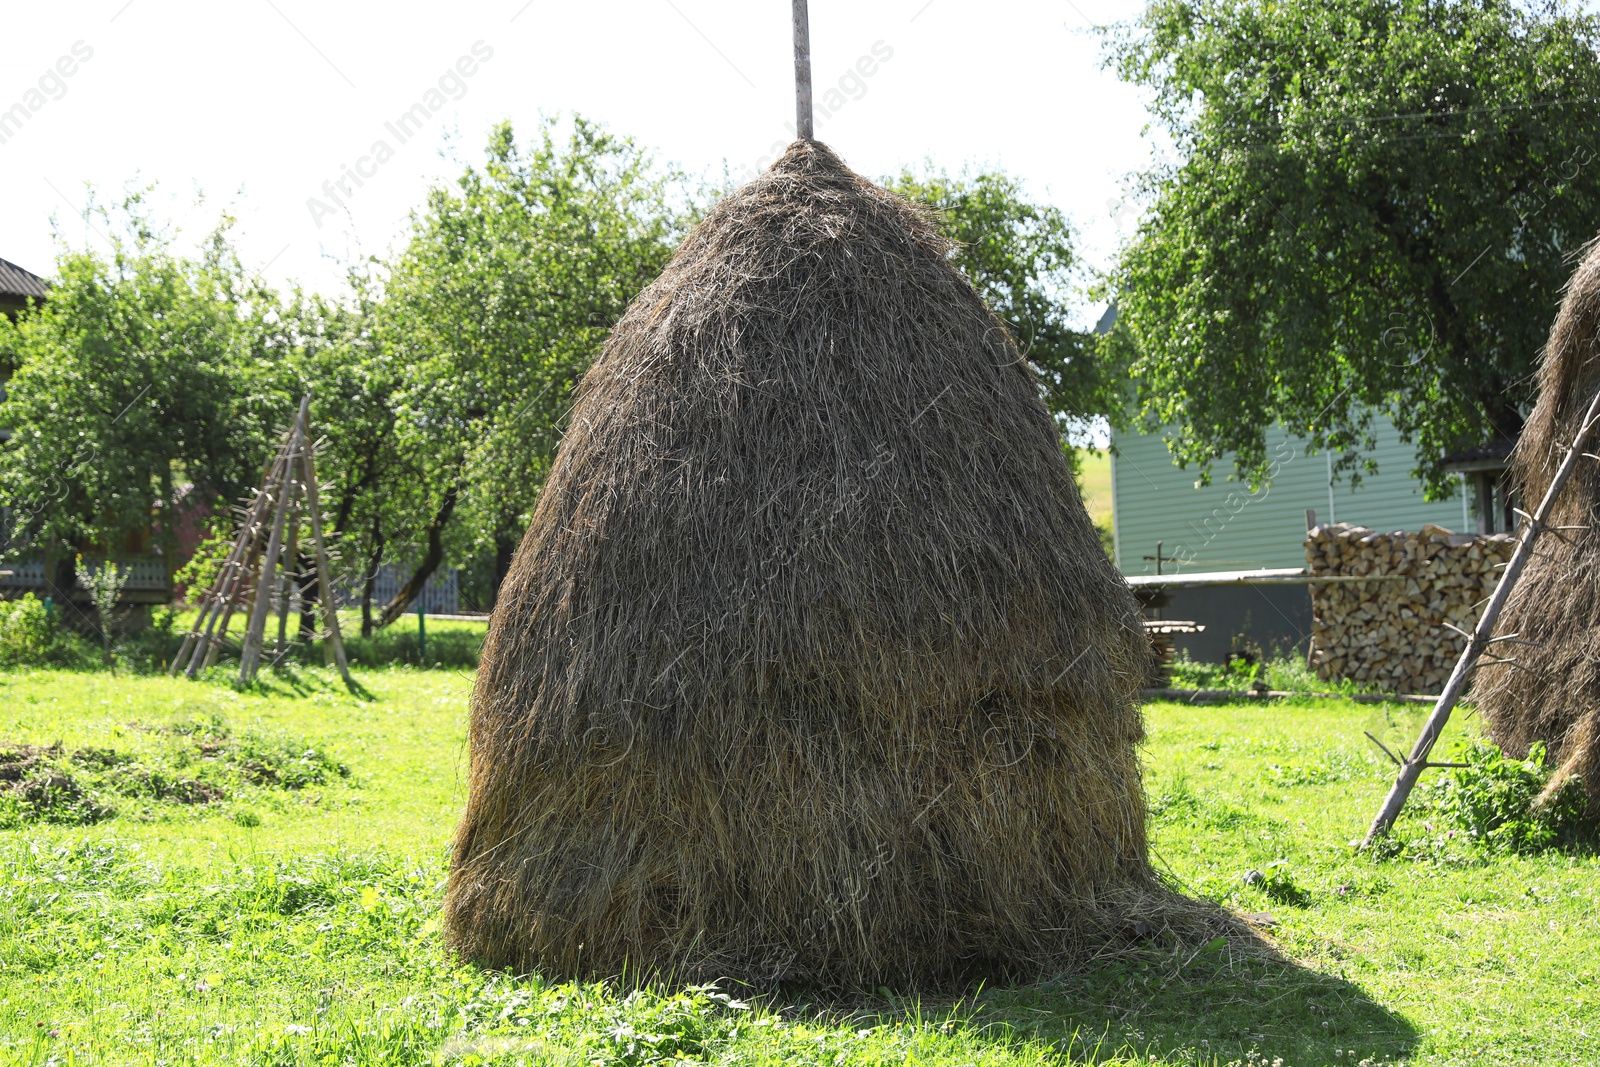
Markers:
1273,617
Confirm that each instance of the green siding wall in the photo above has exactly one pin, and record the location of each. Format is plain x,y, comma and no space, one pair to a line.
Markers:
1224,526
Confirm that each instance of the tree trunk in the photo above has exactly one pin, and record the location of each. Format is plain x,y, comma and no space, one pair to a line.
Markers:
430,561
505,549
371,578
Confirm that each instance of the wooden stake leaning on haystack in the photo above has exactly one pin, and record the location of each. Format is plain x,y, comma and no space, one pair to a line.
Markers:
1483,635
1551,694
258,566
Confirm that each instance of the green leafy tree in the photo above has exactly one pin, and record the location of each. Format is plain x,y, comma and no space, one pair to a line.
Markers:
1375,210
144,370
372,487
508,287
1019,255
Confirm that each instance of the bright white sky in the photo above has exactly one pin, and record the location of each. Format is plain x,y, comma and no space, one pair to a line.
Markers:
257,104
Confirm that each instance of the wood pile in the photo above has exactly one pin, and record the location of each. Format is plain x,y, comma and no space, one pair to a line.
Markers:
1383,625
1163,650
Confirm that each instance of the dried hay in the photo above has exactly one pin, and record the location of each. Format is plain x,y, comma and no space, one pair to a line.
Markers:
1553,692
810,666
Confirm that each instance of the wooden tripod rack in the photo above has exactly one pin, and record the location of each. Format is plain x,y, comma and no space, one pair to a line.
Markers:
259,567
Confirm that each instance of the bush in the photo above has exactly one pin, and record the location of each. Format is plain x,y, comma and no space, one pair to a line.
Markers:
398,643
200,573
32,636
1491,801
1239,673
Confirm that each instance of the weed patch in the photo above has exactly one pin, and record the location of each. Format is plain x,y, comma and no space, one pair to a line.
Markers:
195,763
1494,801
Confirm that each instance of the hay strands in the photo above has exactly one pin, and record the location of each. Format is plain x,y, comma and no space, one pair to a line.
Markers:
258,569
1481,637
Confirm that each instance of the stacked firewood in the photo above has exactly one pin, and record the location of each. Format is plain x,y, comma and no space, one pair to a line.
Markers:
1383,623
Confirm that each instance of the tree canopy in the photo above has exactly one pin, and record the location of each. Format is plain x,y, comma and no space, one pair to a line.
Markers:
501,299
144,370
1019,255
1376,208
441,379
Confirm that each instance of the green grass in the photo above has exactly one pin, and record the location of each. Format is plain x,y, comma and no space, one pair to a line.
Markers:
453,643
1094,481
300,925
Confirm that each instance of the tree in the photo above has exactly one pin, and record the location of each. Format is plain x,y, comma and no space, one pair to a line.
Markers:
1018,254
1375,211
373,488
502,298
144,369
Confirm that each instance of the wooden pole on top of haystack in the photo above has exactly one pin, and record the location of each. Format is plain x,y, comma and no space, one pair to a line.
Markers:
802,73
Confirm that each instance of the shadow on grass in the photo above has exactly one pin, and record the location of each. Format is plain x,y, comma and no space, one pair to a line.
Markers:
1222,1006
288,678
1233,1000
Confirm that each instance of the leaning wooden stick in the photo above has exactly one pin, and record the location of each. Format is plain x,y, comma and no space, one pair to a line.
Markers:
291,553
211,603
1482,637
232,578
250,654
333,644
235,579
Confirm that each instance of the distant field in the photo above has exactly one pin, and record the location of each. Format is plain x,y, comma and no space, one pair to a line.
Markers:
1095,473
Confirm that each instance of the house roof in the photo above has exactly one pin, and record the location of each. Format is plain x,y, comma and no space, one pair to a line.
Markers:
16,282
1493,457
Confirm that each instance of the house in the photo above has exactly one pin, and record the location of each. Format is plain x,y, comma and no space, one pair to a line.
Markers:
17,287
1165,524
1485,474
48,571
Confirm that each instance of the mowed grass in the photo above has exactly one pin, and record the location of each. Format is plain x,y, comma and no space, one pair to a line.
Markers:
301,926
1094,480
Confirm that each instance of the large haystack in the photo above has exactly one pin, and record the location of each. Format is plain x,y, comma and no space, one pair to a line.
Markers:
1553,695
810,665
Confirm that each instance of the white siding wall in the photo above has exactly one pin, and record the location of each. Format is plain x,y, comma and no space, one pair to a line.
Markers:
1225,526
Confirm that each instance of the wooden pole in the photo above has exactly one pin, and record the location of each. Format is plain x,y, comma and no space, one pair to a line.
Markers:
333,644
802,72
243,586
286,574
234,571
210,605
250,654
211,602
1417,762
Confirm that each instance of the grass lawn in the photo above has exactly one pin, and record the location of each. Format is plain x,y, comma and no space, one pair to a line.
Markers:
1095,482
267,892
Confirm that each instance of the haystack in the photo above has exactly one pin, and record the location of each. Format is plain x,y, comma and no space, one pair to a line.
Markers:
1553,693
810,665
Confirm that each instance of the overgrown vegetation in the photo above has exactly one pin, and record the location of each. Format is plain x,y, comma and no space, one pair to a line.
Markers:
1495,800
32,636
1253,669
185,764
